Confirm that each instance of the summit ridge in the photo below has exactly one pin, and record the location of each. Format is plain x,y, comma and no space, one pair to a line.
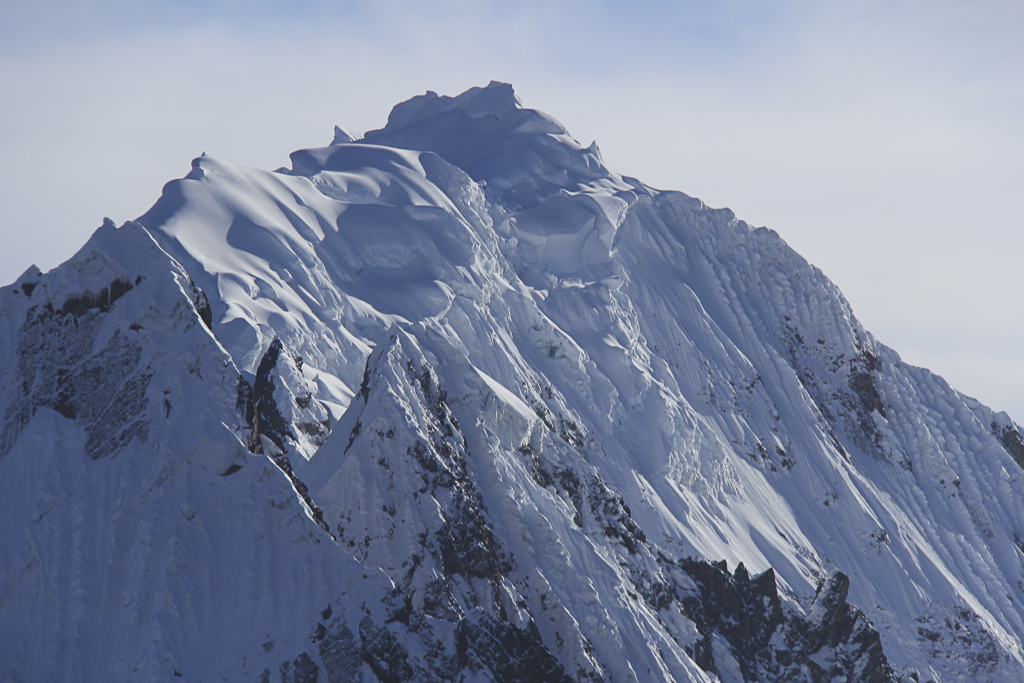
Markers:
495,100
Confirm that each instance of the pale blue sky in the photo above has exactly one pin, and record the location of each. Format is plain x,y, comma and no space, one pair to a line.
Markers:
882,140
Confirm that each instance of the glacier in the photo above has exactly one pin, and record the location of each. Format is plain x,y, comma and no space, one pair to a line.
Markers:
455,401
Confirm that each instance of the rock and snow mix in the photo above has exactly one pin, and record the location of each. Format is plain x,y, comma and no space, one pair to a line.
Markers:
455,401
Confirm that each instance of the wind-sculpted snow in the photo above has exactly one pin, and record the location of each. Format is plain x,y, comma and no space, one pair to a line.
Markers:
456,401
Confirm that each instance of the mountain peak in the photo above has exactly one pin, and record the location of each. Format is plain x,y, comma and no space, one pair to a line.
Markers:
522,155
538,407
496,99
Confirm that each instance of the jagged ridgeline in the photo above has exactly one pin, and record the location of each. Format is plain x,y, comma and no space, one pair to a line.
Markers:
455,401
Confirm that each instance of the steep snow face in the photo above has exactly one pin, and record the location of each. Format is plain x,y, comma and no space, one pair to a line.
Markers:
457,401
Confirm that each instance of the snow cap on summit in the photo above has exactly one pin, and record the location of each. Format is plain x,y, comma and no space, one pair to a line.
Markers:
496,100
522,155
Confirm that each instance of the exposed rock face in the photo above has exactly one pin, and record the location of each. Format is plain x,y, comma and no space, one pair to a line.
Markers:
58,368
1011,438
286,411
746,629
281,421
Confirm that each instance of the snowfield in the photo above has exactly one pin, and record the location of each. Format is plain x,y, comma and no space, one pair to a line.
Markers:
456,401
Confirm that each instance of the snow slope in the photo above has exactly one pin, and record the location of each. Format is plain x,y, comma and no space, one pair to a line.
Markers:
457,401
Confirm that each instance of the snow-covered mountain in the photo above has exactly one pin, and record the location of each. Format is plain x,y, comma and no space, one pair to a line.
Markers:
456,401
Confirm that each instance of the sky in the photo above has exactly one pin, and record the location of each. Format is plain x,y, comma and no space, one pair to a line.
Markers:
882,140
